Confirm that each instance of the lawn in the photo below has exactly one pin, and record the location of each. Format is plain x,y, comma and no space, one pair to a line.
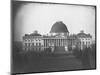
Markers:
23,62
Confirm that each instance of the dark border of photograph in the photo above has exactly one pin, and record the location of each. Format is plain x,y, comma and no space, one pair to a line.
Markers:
12,34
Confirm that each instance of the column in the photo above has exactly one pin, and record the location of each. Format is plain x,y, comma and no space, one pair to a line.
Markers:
63,42
56,41
59,42
47,42
44,42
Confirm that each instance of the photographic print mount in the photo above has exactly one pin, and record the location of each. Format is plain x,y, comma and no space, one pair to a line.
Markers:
52,37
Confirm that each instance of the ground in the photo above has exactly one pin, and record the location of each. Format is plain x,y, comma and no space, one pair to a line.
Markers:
30,62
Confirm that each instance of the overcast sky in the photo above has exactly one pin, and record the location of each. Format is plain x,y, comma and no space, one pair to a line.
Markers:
41,17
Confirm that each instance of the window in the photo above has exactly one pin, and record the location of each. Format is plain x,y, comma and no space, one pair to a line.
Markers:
36,44
88,42
83,43
32,44
32,40
28,44
80,43
25,44
39,44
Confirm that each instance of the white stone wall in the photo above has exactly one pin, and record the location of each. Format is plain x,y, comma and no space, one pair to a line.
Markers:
85,42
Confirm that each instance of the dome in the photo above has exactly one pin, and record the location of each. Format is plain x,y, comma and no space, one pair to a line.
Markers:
83,35
35,33
59,27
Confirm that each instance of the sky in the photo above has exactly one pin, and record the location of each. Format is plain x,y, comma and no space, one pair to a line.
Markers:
41,17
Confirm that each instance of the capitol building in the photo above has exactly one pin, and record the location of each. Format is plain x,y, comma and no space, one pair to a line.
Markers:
58,40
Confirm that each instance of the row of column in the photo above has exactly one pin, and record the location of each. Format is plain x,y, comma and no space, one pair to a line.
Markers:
55,42
31,44
49,42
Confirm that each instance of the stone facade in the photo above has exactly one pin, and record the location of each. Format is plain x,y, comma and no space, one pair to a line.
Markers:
39,42
58,38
